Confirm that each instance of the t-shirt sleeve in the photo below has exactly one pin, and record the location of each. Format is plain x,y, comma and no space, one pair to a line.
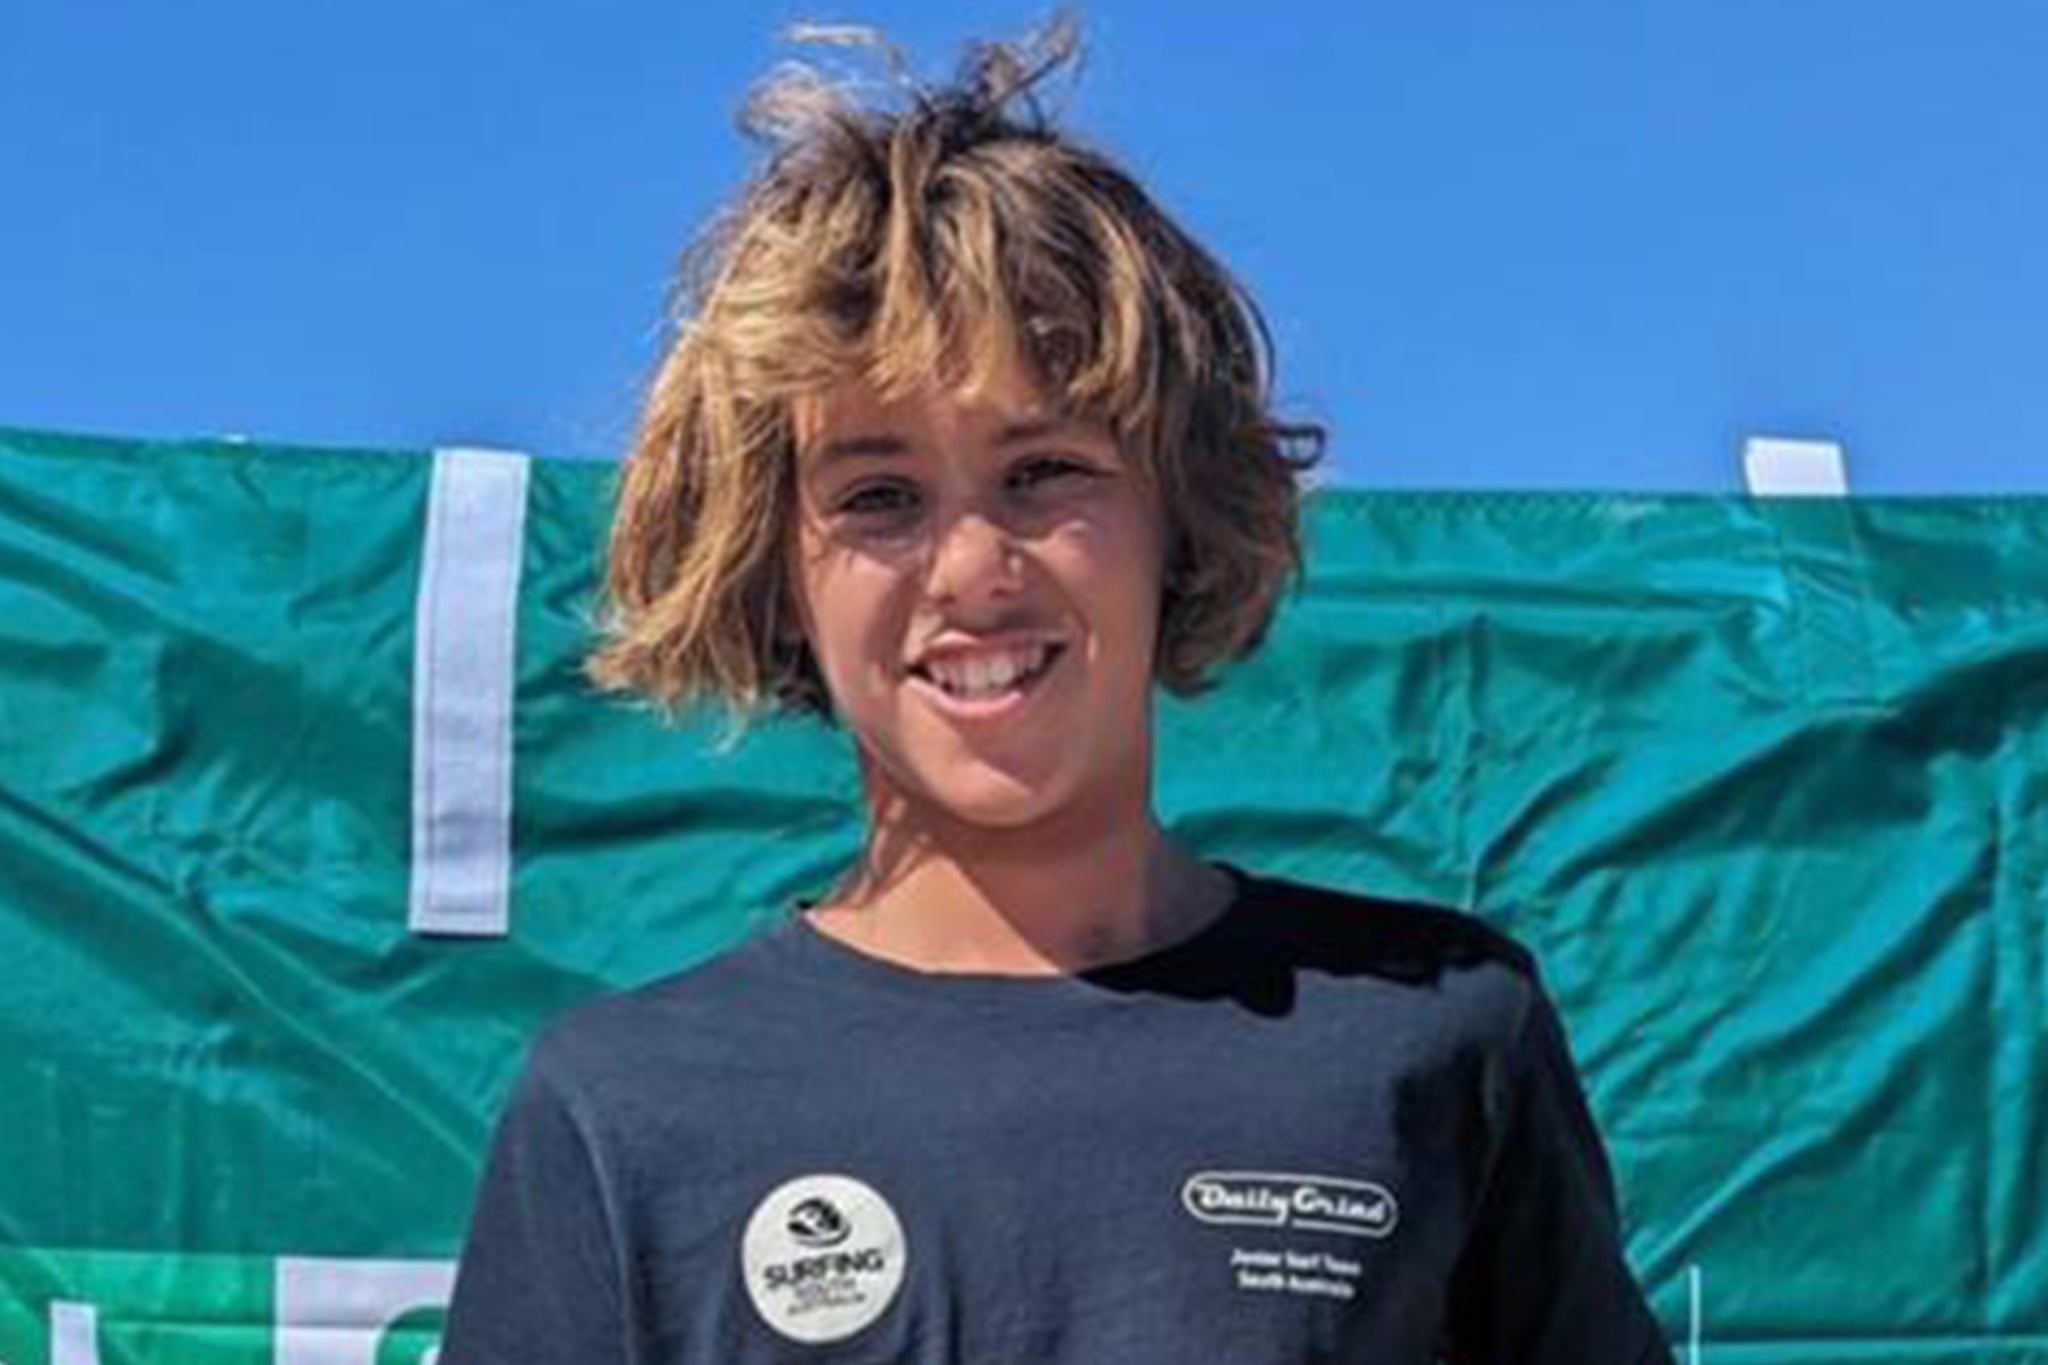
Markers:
539,1278
1542,1279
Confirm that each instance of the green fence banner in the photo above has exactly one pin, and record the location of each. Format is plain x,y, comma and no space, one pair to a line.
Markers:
307,819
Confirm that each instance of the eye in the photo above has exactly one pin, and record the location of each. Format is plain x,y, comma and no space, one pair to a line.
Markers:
1050,467
864,500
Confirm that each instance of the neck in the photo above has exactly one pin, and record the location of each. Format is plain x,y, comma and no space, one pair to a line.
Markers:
1101,883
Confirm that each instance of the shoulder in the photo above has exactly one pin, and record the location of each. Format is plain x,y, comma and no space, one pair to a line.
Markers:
1411,937
612,1046
1437,959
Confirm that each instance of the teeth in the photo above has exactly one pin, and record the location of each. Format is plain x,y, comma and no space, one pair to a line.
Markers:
988,675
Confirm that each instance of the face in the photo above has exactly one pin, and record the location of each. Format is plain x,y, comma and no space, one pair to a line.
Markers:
951,527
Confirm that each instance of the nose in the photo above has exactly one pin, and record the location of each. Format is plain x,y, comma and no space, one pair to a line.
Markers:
973,557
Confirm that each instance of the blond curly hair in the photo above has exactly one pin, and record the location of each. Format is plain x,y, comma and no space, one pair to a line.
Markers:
937,238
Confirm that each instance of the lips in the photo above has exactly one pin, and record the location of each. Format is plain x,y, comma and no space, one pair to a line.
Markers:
959,648
945,669
995,706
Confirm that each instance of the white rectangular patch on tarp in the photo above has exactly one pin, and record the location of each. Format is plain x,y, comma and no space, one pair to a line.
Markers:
1779,468
465,657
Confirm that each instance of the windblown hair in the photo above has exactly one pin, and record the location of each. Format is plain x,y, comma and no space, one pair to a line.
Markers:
933,242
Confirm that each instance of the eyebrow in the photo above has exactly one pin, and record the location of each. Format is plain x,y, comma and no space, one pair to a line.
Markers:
882,446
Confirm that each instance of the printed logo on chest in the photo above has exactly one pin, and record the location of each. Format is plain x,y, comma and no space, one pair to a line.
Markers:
1279,1199
1293,1202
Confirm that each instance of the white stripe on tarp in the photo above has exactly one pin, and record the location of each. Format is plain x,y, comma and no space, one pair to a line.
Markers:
464,659
338,1311
74,1333
1777,467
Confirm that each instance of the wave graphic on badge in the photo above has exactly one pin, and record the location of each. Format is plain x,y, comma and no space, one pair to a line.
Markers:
816,1223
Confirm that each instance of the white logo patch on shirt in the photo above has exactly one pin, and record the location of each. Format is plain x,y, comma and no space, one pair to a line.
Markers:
822,1257
1276,1199
1281,1200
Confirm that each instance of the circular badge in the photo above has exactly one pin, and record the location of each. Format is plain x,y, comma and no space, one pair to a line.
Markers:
822,1256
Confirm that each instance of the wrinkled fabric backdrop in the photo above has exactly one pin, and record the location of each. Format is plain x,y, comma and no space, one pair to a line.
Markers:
1764,782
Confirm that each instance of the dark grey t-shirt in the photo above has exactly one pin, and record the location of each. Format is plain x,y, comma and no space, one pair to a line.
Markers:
1326,1128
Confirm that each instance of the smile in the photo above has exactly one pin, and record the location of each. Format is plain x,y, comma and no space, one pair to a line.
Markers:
990,704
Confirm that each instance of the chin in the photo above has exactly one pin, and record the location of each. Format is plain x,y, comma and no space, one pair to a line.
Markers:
997,805
976,795
946,781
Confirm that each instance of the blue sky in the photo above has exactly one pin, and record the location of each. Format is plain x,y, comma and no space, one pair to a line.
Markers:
1539,245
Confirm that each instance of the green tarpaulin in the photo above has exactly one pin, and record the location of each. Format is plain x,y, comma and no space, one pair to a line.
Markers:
1764,782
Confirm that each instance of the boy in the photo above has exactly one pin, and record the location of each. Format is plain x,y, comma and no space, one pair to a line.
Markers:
964,445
